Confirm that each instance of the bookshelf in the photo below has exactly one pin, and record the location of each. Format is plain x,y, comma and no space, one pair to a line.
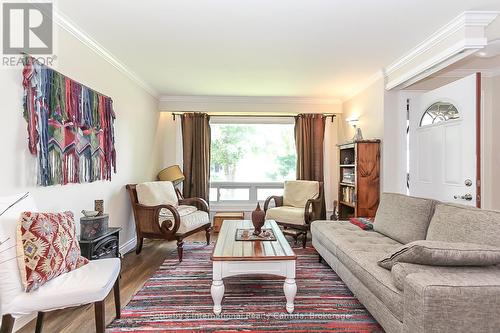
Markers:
359,179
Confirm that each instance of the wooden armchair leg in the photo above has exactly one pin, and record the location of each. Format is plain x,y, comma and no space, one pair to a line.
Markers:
207,235
100,317
180,243
7,324
304,240
138,247
116,291
39,322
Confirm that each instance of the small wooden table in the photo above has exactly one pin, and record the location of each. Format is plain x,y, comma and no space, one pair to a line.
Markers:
231,257
220,217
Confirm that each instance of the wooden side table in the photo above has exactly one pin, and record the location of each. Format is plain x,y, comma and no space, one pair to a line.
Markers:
223,216
104,246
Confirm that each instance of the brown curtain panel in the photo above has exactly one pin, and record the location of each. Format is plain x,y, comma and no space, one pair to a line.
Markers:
196,154
309,138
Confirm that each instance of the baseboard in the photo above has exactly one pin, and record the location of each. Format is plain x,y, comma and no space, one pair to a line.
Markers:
128,246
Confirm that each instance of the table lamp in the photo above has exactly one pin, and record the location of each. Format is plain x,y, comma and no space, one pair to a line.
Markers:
173,174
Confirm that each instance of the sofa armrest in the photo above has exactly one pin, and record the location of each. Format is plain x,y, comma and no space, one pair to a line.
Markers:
452,302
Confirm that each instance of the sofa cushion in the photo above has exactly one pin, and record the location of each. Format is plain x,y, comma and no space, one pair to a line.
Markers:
437,253
347,236
46,247
359,251
297,192
457,223
286,214
10,281
402,217
402,269
156,193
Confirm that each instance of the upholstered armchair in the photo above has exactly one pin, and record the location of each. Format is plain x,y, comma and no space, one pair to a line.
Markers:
160,214
88,284
297,208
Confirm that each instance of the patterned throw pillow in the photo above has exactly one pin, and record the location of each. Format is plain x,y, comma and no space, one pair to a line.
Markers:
46,247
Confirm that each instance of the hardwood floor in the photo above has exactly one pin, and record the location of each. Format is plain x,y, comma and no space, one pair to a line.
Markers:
136,269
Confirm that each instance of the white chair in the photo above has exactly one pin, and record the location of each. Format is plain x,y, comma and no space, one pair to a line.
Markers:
90,283
297,208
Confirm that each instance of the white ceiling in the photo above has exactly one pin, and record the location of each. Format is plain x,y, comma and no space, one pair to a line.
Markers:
313,48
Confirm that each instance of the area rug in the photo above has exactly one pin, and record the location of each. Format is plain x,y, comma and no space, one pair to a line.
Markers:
177,298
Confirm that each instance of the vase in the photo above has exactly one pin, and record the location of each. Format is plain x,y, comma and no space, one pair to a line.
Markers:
258,219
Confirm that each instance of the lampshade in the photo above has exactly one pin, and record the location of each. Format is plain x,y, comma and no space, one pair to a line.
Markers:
172,173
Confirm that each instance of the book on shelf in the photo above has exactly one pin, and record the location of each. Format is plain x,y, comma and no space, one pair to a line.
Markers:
348,194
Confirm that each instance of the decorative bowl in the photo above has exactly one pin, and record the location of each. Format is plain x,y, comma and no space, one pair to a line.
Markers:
90,213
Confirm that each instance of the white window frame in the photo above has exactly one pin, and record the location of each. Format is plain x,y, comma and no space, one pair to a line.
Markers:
253,187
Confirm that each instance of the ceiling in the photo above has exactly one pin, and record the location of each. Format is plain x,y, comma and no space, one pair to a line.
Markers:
294,48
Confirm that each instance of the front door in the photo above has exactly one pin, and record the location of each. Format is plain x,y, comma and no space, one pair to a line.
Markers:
443,143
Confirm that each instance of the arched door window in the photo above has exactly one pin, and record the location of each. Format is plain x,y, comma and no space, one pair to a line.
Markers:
439,112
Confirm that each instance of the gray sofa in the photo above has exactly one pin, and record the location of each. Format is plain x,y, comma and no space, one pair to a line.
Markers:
416,298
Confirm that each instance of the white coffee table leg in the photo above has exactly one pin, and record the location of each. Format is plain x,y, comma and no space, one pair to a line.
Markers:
217,289
290,289
217,292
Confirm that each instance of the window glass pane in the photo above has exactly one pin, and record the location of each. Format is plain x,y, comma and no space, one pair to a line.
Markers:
234,194
252,152
212,196
439,112
264,193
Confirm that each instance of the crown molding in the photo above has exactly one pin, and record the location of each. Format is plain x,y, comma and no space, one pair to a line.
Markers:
248,100
378,75
462,72
465,19
64,22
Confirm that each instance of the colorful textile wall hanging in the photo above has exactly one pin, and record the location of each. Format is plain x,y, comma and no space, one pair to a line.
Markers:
70,127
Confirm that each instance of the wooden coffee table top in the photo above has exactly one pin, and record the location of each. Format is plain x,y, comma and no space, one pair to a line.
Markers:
228,248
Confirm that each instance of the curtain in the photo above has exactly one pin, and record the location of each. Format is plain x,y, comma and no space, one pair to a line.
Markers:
196,154
309,138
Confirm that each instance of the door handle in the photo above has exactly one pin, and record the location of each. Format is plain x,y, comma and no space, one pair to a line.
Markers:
467,197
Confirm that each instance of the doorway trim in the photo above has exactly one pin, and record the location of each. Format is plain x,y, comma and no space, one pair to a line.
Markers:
478,140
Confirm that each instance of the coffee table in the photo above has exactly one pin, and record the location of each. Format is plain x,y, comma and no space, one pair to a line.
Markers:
231,257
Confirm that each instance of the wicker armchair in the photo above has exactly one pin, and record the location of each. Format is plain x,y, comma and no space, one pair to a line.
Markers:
297,208
169,221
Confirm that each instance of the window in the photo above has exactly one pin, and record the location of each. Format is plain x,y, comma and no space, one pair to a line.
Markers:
250,157
439,112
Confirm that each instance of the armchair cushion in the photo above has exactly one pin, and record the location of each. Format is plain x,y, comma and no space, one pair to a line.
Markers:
156,193
88,284
286,214
297,192
191,218
10,281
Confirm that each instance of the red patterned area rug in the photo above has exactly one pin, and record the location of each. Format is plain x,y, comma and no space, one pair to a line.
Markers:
177,298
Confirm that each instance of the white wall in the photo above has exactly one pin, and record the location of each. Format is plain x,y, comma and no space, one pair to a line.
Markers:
491,143
135,131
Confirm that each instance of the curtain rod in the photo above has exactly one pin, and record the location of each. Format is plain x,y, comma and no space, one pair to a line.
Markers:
333,115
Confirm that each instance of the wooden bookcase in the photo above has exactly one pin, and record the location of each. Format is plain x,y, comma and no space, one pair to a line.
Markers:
359,179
